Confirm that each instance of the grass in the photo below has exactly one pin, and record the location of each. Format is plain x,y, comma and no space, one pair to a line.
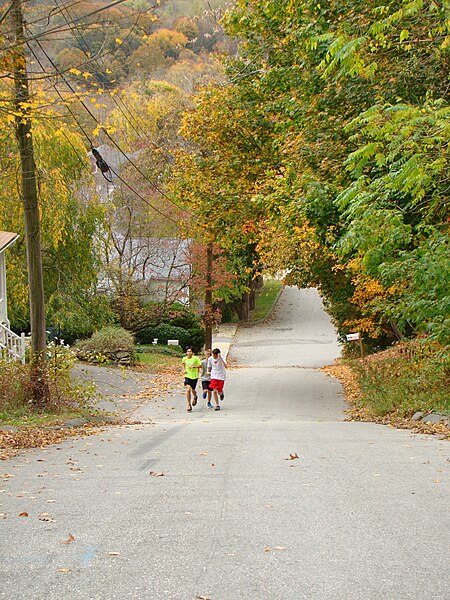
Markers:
67,398
158,358
266,299
24,416
408,378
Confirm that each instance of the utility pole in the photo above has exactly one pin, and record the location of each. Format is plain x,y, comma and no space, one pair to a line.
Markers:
30,205
208,297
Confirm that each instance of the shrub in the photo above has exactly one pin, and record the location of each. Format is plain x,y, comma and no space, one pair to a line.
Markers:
108,343
412,376
16,399
194,337
184,318
170,323
163,333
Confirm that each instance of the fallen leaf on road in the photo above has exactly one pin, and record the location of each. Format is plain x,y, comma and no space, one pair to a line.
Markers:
269,549
202,597
203,454
3,515
46,517
156,473
63,570
23,514
113,553
292,456
70,539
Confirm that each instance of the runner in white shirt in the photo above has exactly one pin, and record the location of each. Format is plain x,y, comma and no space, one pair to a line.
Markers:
217,369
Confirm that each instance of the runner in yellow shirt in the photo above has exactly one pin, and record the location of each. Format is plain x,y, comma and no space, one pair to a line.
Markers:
192,365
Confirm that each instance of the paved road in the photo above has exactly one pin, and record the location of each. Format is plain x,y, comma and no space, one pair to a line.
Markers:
361,514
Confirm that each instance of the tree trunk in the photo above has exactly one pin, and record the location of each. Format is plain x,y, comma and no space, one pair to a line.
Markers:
208,298
31,210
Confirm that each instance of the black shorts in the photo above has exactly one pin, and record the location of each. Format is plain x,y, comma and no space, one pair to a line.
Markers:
191,382
205,385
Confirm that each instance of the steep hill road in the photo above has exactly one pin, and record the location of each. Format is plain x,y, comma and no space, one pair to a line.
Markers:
215,505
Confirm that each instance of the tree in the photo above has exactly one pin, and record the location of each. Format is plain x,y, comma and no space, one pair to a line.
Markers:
217,177
29,195
358,92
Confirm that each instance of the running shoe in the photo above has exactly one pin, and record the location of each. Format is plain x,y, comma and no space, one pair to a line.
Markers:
222,396
217,408
194,401
204,395
189,409
209,405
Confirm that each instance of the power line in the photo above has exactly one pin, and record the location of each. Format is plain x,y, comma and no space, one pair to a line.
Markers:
142,197
65,26
80,36
109,168
109,136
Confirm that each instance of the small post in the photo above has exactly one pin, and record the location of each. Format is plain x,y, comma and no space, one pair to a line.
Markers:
356,337
22,347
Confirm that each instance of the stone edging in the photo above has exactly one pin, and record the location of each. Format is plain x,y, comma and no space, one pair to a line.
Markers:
430,418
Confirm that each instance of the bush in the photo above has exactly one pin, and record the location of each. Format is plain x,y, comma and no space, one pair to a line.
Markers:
180,317
170,323
111,343
16,398
410,377
163,333
194,337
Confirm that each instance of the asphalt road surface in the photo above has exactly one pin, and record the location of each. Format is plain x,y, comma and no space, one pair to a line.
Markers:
212,505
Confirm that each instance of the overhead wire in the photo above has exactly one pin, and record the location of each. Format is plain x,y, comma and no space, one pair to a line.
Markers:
83,43
108,135
65,27
131,188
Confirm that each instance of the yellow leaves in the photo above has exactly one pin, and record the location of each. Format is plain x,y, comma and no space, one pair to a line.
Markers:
404,35
108,128
119,41
86,75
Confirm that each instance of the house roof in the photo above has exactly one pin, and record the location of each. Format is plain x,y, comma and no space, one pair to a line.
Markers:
6,239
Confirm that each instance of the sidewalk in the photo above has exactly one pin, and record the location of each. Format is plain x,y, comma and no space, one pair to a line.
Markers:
224,338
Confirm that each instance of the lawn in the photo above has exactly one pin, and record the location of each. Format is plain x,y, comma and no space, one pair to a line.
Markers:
265,299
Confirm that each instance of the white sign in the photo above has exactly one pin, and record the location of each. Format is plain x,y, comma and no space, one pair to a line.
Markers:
352,337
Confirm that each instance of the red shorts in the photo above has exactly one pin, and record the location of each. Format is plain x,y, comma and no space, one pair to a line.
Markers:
217,384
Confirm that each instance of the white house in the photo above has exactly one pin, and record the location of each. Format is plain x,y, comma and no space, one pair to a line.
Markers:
11,345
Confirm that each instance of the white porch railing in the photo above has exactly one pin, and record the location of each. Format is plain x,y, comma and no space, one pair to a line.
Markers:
12,346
